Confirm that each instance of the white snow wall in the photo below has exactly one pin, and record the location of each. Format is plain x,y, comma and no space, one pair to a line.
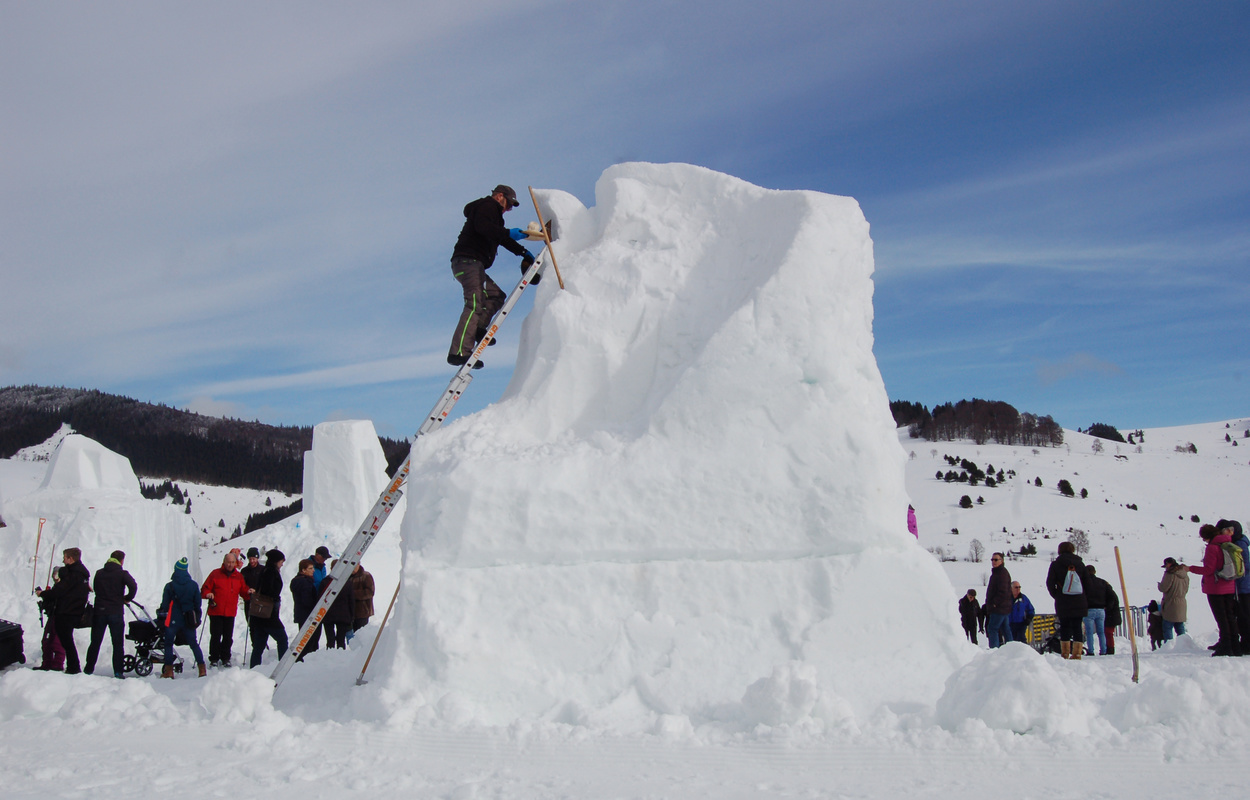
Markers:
90,499
691,488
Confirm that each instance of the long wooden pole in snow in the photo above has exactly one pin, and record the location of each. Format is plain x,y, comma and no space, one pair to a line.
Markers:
1132,637
34,572
361,680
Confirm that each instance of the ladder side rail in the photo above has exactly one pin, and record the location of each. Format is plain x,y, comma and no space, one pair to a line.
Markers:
385,504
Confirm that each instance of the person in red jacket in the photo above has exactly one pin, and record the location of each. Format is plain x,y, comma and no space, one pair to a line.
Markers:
1221,594
223,589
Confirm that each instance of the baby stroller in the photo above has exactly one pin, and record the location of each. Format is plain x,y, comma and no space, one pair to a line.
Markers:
149,639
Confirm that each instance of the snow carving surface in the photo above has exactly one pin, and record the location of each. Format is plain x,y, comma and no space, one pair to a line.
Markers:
688,507
343,475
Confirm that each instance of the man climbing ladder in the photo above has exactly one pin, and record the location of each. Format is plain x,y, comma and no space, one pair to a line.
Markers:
474,253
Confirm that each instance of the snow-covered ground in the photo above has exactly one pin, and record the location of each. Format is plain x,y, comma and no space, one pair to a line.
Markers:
672,562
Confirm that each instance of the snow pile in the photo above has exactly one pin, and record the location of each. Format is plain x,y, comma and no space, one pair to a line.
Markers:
84,700
90,499
1012,688
692,484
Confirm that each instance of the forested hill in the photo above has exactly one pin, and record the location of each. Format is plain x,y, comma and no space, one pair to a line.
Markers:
165,442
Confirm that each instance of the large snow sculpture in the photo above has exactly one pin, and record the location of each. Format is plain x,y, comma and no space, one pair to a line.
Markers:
690,500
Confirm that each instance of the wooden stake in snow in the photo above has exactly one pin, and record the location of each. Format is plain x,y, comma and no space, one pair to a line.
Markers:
546,237
34,572
1132,638
361,680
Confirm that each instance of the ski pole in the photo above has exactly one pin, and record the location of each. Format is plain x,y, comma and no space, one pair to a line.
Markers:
34,572
1132,639
361,680
546,237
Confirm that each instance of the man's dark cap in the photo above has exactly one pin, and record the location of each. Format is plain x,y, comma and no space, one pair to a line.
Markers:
323,551
508,194
253,552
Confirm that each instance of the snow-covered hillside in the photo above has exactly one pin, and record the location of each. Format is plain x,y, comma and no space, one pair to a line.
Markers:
1141,498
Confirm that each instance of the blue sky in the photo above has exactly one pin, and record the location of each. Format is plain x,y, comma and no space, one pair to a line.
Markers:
247,209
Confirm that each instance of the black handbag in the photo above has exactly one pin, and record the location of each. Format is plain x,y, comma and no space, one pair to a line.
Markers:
88,616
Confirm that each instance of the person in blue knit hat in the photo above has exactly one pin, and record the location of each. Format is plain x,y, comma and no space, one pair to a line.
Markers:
180,610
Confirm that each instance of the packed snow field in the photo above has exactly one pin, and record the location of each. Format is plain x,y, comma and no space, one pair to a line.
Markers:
672,561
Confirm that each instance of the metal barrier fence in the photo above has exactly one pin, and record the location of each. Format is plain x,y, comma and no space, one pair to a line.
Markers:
1045,625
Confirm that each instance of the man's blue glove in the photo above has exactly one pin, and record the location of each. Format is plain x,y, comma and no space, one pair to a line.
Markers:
517,234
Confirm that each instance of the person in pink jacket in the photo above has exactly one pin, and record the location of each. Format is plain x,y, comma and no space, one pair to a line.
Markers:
911,521
1221,594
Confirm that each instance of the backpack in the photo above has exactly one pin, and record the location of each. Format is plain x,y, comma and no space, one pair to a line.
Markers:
1072,583
1234,566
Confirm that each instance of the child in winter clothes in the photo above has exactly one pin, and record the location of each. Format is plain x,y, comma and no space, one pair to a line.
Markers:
1154,625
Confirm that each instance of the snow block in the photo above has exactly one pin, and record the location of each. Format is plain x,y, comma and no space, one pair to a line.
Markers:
692,483
343,475
82,463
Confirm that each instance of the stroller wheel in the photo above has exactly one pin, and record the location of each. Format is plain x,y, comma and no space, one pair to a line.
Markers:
128,663
143,667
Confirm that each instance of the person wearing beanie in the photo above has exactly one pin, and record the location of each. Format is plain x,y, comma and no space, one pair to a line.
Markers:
114,589
180,610
268,590
251,572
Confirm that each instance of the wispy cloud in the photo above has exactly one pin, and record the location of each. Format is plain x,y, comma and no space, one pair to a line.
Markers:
1051,372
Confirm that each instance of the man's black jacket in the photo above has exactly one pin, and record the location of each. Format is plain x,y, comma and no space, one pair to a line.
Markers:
483,232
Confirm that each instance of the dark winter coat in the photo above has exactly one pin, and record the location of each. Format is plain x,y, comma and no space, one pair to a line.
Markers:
362,594
483,232
342,610
304,594
1067,605
1114,616
1096,592
969,612
183,593
251,575
70,594
998,592
114,588
270,585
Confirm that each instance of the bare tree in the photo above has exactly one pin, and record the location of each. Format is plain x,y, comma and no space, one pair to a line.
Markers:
1080,540
976,551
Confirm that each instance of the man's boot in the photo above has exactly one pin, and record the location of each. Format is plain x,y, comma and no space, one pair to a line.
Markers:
203,669
1078,648
1065,649
167,671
